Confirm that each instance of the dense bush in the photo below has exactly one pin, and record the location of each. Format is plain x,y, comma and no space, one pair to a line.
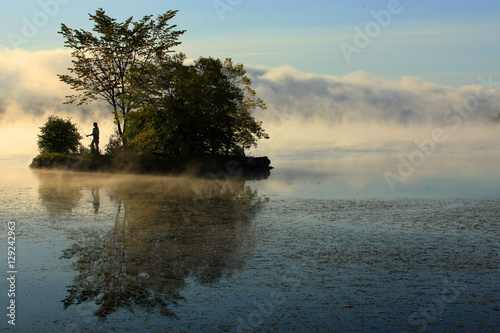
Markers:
58,135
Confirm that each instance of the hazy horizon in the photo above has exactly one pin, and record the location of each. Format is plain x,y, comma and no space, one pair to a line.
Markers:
305,111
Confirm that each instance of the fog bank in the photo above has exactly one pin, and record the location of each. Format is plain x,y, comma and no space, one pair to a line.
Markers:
357,113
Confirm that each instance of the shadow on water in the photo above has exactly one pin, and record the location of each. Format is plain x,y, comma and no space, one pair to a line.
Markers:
162,230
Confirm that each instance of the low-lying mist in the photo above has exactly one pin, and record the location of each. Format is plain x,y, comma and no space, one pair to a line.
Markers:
321,140
357,113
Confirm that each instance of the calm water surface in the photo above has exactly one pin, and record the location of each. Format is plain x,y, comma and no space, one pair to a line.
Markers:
314,246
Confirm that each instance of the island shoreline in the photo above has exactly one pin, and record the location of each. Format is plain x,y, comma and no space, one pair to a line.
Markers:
201,166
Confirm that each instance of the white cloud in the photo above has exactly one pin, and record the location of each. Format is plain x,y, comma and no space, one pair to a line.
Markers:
360,113
360,97
30,91
305,111
30,86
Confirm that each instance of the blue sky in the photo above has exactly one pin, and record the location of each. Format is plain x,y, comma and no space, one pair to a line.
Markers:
446,42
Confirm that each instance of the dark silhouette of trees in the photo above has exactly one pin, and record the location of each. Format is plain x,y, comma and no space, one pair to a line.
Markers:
204,108
58,135
160,105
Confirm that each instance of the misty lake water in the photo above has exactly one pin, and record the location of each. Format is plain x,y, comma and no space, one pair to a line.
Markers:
314,246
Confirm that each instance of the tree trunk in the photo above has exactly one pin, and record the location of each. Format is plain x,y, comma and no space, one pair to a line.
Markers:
120,131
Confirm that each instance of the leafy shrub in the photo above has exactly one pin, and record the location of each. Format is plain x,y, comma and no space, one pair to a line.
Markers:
115,145
58,135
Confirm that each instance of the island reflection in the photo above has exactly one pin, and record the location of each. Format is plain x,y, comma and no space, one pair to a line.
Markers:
165,230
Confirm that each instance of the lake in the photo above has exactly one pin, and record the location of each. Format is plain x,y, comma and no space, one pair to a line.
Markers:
352,243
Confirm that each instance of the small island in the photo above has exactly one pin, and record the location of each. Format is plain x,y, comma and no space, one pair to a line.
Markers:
172,114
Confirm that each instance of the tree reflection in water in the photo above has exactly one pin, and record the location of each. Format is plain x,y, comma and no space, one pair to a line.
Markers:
166,229
55,194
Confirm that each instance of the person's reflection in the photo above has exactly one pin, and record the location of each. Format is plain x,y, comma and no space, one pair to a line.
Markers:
165,230
96,199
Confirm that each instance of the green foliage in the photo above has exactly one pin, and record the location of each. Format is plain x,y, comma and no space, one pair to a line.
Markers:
58,135
55,157
47,159
160,105
204,108
114,145
104,58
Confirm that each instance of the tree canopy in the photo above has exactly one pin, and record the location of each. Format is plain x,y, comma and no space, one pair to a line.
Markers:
203,108
58,135
162,105
104,58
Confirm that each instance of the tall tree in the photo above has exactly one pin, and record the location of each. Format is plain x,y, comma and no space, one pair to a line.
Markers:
105,58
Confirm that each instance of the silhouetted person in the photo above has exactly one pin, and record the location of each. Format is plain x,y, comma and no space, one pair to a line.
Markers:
95,136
